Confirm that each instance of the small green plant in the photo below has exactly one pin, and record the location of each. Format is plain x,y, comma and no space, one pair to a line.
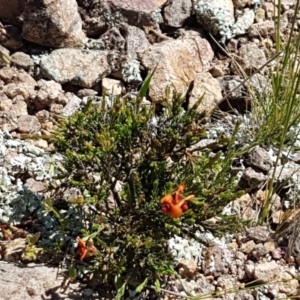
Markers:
124,158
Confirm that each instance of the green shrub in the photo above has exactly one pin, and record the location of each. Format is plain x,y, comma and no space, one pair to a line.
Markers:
125,158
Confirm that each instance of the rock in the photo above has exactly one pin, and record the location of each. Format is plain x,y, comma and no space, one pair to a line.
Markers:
209,89
271,10
7,73
8,121
287,284
43,115
248,247
94,16
266,272
260,15
19,109
11,10
38,282
259,252
216,17
53,23
254,178
277,254
35,186
263,29
260,158
187,268
243,23
178,62
28,124
229,83
217,70
22,60
86,93
10,37
240,3
5,104
135,12
72,105
260,84
251,57
48,93
258,233
83,68
286,171
12,90
176,12
111,86
136,40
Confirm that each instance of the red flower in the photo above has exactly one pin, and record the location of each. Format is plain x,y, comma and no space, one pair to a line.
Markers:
85,249
175,205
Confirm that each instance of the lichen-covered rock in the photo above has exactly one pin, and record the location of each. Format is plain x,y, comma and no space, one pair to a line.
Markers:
176,12
209,89
80,67
178,62
215,17
53,23
243,23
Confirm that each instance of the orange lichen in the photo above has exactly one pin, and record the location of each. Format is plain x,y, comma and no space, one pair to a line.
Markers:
175,204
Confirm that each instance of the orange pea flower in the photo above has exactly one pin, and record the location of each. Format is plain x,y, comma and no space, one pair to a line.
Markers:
175,204
85,249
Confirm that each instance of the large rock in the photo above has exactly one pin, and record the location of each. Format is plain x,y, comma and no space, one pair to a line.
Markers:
55,23
38,282
83,68
209,89
178,62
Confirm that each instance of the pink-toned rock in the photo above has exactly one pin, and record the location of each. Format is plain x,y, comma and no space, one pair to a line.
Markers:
55,23
266,272
48,93
209,89
178,62
28,124
263,29
136,12
8,121
19,109
6,104
12,90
